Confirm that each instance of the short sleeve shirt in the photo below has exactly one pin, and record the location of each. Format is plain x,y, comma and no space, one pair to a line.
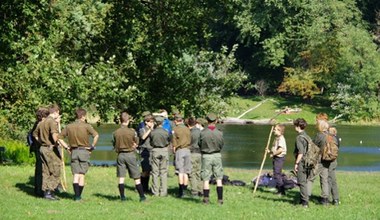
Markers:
124,139
78,133
279,142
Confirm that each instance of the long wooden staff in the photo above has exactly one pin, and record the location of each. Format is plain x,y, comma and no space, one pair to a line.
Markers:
265,156
64,182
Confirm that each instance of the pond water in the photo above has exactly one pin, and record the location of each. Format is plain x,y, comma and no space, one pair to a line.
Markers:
245,144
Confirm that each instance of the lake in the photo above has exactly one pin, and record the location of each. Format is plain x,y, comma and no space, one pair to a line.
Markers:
245,144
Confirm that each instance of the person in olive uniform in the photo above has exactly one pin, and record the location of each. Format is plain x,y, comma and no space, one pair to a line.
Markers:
211,143
300,150
145,149
181,145
78,134
125,142
159,140
196,159
41,115
47,135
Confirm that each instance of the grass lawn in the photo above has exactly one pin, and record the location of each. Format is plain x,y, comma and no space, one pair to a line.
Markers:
359,194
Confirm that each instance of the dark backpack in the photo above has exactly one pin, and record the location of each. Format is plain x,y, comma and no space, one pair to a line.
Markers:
330,150
312,155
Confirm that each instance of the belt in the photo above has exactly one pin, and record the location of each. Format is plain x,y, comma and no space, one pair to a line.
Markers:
126,151
78,148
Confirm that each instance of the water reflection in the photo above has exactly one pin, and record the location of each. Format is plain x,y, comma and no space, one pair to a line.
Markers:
245,144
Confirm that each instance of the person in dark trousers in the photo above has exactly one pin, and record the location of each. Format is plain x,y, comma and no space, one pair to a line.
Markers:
159,140
125,142
301,147
145,149
78,134
47,135
211,143
278,154
41,115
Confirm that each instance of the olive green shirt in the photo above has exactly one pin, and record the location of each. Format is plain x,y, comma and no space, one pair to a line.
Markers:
45,130
181,137
195,136
159,138
78,133
211,140
301,144
124,139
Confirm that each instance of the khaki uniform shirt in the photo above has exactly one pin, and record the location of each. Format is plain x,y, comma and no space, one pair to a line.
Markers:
159,138
45,130
124,139
181,137
78,134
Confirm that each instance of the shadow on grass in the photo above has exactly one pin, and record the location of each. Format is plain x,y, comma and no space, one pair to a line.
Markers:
28,188
290,196
173,192
109,197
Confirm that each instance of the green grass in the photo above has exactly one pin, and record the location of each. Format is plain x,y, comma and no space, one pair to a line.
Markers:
268,109
358,194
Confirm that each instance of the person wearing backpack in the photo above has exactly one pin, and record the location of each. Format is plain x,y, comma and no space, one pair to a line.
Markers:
321,140
300,150
333,186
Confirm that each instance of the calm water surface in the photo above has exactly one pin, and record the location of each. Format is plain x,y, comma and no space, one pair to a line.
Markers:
245,144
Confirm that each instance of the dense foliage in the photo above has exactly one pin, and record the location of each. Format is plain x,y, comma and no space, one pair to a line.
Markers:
185,55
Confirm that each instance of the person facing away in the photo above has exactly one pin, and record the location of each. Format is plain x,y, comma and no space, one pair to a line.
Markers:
181,144
300,150
278,154
125,142
78,134
323,166
159,140
47,136
196,159
211,143
333,185
41,115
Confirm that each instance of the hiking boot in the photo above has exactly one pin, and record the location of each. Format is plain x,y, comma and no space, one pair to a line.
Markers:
77,198
142,199
324,201
304,204
49,196
123,198
336,202
220,201
206,201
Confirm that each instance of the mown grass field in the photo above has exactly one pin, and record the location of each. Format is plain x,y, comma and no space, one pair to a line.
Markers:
359,199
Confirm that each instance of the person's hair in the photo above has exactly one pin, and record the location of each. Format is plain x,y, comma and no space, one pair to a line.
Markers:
124,117
322,125
148,118
80,112
191,121
300,122
41,113
53,108
281,127
333,131
322,116
158,123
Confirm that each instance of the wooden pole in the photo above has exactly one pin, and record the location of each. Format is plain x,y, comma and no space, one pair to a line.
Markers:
265,156
64,181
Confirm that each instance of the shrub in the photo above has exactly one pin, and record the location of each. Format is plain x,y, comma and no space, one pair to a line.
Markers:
17,152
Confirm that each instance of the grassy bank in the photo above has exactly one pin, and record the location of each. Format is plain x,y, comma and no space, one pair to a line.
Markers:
268,107
359,199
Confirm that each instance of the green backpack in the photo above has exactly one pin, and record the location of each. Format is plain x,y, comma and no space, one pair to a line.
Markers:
330,150
312,155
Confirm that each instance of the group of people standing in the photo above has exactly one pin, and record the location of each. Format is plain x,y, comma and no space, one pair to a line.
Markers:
306,176
196,145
